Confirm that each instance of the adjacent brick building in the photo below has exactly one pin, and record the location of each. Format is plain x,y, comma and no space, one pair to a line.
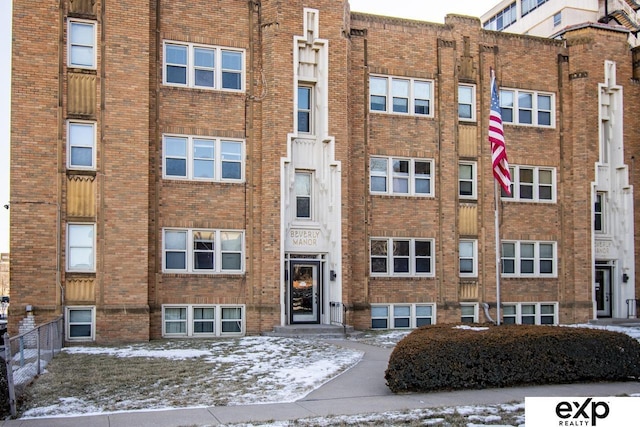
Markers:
222,168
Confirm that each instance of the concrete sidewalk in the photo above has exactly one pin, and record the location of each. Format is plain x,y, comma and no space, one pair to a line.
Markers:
359,390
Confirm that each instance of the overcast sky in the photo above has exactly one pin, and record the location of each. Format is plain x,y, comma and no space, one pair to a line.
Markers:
424,10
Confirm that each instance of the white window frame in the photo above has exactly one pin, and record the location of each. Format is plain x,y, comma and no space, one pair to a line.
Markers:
474,257
601,201
469,318
412,258
473,180
557,18
309,196
190,158
189,251
191,68
536,185
516,312
411,176
71,45
91,268
190,320
537,258
472,105
412,96
535,109
415,318
71,144
68,323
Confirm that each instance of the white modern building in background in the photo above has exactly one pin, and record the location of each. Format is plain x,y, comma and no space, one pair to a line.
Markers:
548,18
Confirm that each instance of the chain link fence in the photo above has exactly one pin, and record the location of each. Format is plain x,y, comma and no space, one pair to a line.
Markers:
26,355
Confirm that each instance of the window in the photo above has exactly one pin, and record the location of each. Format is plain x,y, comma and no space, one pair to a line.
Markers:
468,258
380,317
531,184
81,247
502,19
82,44
530,313
198,158
81,137
411,177
527,108
400,95
524,258
198,66
303,195
469,313
202,320
557,19
529,5
203,251
304,109
402,257
401,316
467,187
80,323
466,103
598,214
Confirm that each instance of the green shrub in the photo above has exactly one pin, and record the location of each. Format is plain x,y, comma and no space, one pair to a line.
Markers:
447,357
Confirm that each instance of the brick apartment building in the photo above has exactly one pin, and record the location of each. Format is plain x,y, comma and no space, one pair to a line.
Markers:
220,168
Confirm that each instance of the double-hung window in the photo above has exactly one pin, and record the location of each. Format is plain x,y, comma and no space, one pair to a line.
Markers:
529,259
398,176
81,44
202,320
303,195
81,142
399,95
469,313
531,184
466,103
401,316
402,257
80,323
468,258
304,109
598,214
467,180
530,313
527,108
81,244
202,158
203,251
201,66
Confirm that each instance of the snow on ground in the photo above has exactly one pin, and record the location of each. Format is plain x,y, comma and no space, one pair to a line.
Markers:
291,376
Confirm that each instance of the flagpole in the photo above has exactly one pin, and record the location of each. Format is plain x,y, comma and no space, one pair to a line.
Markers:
497,233
501,173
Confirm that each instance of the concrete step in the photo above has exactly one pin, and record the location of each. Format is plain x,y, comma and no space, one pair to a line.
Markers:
313,331
616,322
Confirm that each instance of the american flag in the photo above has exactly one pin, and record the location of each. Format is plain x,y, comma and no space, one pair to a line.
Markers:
496,138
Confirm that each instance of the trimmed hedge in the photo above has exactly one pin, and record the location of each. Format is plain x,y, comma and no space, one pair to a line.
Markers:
450,357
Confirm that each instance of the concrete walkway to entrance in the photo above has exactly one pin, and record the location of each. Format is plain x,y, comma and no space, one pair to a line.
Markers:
359,390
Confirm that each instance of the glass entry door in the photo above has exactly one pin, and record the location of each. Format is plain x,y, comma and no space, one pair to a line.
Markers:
304,291
603,291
